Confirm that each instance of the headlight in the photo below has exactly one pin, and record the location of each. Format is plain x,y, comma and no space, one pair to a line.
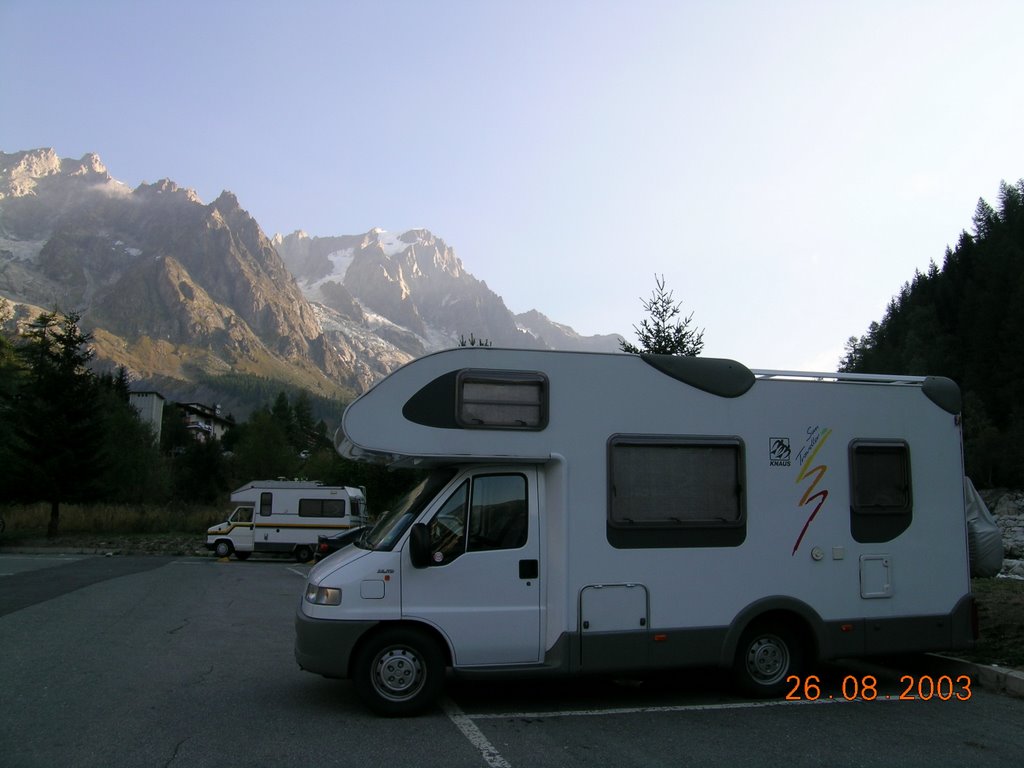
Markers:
322,595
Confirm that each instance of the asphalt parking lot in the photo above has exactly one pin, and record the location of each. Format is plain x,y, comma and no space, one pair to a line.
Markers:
149,661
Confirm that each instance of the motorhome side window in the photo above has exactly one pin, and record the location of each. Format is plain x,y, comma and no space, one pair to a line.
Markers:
502,400
881,504
266,504
487,513
321,507
675,492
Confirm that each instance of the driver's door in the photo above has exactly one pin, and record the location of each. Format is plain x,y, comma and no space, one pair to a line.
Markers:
242,530
482,585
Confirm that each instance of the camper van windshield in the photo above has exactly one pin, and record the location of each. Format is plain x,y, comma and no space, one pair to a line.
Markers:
393,524
241,515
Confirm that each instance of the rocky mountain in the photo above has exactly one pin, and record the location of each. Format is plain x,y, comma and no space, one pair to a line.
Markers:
413,292
189,295
180,292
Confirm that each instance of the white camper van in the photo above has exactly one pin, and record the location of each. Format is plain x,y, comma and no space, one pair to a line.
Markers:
286,517
593,513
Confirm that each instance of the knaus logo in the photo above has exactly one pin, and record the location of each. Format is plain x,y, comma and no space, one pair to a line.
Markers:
779,452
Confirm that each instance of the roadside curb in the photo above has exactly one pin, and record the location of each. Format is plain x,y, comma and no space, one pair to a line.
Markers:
988,676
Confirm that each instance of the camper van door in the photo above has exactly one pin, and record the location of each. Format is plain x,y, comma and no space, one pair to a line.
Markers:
242,530
482,584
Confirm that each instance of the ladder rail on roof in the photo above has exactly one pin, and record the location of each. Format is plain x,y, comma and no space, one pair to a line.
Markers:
867,378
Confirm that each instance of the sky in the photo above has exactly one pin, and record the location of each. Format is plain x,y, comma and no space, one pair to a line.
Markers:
785,165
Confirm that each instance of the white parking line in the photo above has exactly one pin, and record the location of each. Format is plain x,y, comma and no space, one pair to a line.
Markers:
476,737
494,759
649,710
298,573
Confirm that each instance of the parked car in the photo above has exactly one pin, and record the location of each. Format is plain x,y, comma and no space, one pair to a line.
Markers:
326,545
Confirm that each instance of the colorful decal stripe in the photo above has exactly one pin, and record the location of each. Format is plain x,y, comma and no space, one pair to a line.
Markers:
232,527
819,473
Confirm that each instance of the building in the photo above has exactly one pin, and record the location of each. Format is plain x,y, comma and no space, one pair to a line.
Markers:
150,406
204,422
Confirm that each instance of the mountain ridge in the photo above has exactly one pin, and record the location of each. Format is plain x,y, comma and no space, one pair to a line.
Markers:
170,286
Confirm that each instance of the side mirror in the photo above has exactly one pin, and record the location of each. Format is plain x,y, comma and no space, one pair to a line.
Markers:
419,546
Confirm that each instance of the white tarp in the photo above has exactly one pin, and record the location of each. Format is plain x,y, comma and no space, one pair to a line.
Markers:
984,539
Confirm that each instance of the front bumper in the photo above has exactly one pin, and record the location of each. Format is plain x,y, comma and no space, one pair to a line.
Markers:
325,646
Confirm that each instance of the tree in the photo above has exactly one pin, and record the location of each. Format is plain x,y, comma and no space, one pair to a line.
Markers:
663,333
473,341
199,472
57,416
262,449
133,469
11,373
966,321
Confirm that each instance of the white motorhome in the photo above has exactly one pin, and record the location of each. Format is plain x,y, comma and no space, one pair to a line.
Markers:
593,513
286,517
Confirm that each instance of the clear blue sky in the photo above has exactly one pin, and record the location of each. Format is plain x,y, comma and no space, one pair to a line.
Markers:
786,165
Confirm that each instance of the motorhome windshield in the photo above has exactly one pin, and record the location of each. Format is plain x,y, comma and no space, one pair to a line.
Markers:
241,515
393,524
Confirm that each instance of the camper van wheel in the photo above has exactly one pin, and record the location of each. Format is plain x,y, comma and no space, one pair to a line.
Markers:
222,549
303,554
398,672
768,653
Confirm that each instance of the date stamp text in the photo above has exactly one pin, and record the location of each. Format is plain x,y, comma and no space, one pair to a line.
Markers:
865,688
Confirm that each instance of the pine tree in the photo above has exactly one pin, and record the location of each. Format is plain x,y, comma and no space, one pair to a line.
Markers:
58,417
663,333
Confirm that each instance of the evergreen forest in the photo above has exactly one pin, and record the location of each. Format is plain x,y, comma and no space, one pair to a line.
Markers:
965,320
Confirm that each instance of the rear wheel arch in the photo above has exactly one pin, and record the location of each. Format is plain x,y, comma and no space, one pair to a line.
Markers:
802,620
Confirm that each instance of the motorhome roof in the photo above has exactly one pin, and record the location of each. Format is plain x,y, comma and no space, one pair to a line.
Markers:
415,417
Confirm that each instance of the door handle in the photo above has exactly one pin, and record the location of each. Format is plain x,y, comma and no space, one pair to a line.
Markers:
529,569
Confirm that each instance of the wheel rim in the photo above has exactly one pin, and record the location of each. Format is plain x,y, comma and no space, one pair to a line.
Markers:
398,673
223,550
767,660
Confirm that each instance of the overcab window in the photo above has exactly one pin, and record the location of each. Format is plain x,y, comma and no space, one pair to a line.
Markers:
502,400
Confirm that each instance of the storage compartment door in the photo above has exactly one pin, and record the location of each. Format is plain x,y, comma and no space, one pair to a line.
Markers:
613,627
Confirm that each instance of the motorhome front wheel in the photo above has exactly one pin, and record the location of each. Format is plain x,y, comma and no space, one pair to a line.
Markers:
399,672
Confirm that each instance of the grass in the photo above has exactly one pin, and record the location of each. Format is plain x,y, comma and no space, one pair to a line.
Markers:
1001,616
30,521
156,529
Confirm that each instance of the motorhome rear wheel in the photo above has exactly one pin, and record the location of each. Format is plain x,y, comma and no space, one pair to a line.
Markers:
768,653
